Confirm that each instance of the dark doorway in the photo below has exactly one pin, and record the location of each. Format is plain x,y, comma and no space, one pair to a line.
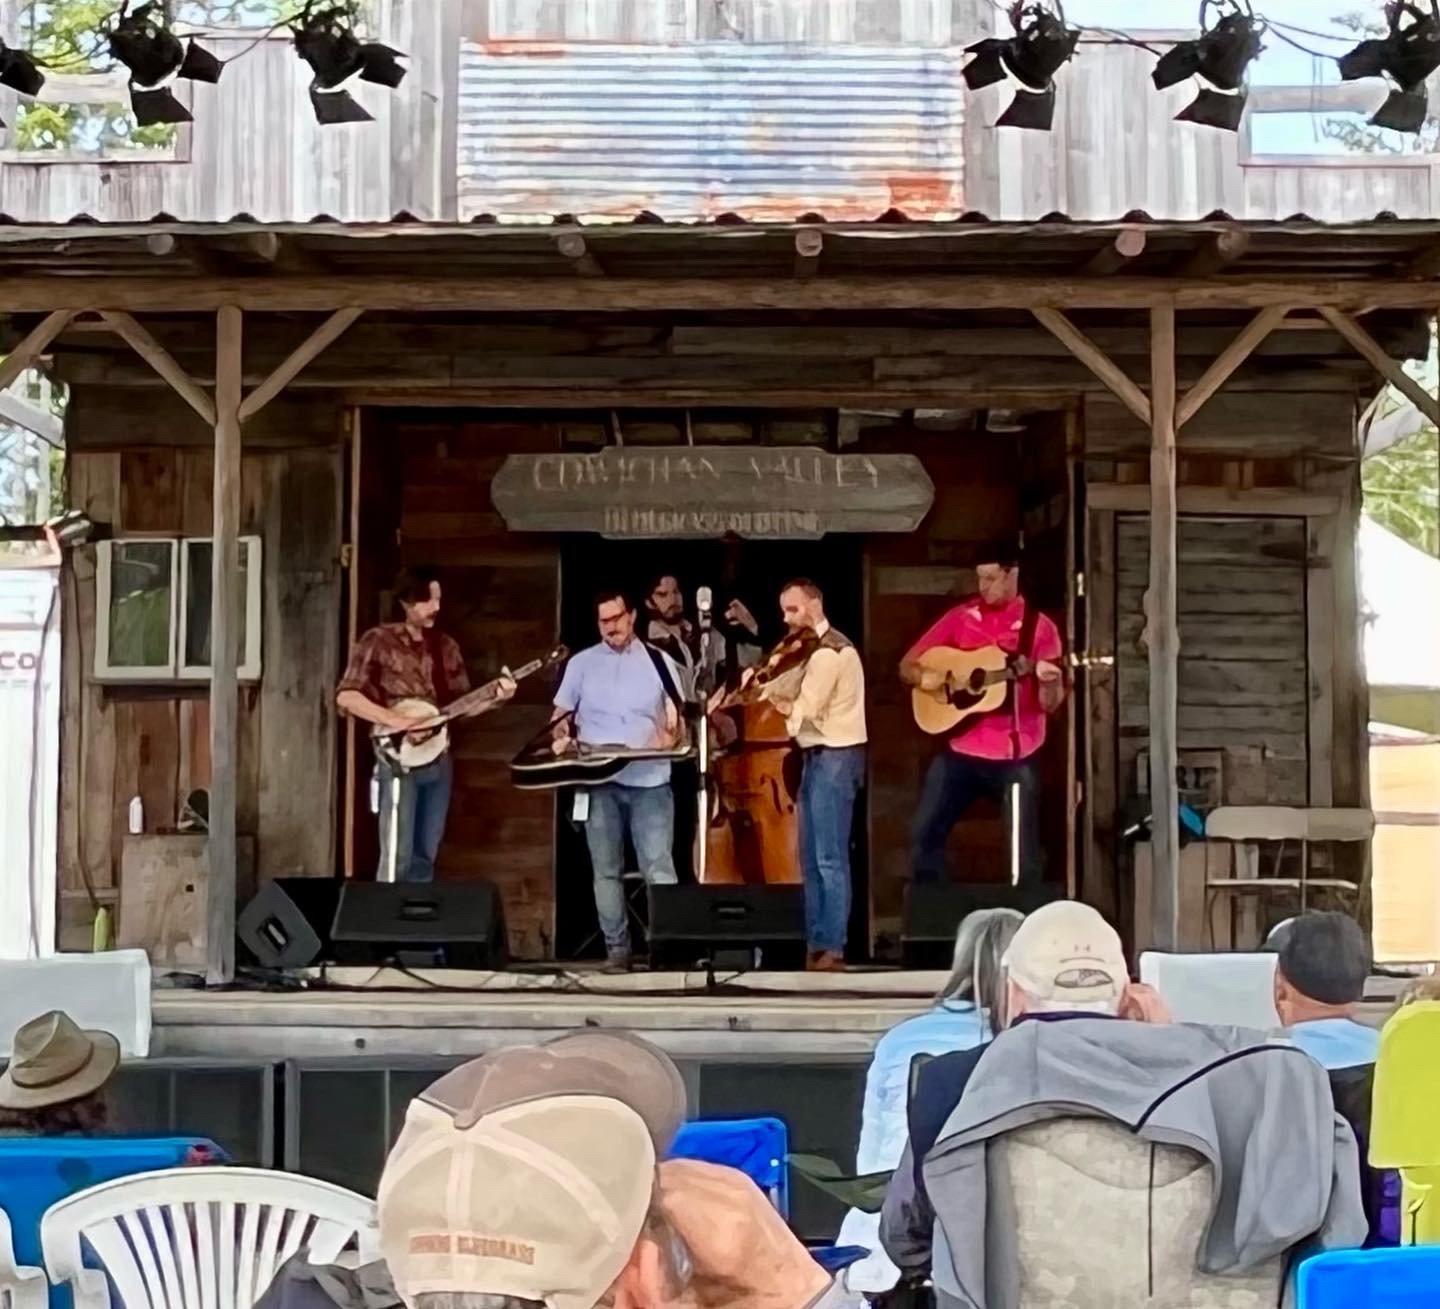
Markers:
751,571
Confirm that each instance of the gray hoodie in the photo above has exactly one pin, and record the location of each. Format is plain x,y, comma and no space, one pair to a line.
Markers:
1285,1165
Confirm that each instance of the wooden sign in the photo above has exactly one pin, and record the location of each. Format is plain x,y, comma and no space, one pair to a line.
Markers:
766,492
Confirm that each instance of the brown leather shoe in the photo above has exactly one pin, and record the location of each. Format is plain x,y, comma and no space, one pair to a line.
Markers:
826,961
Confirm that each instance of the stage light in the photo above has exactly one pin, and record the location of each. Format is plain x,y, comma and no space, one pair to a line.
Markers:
324,36
1219,57
1406,56
18,71
199,65
1041,46
145,44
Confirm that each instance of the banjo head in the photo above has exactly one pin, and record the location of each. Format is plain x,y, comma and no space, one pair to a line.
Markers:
410,753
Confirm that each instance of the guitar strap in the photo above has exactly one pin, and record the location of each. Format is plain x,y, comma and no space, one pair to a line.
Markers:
662,669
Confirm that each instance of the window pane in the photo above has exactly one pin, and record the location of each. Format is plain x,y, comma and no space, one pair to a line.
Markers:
140,604
197,601
1328,133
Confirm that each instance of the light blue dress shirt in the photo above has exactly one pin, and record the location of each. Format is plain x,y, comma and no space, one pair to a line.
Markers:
618,699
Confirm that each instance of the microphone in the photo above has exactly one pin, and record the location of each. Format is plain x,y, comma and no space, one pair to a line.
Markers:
704,603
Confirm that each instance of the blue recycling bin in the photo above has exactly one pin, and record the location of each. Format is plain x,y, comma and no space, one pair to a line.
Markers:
1400,1277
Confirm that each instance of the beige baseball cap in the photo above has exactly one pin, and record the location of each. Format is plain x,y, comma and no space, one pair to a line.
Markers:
1065,951
614,1064
542,1200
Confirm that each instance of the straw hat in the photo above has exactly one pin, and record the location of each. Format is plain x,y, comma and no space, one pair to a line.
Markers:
53,1061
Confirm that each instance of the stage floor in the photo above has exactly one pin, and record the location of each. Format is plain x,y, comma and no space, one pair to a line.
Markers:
389,1014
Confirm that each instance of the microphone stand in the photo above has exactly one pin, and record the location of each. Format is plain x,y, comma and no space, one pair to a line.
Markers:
703,691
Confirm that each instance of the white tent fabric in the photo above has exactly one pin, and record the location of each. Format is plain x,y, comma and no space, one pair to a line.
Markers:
1401,588
29,759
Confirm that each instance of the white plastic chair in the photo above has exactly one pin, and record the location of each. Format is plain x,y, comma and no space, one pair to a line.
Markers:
21,1287
198,1238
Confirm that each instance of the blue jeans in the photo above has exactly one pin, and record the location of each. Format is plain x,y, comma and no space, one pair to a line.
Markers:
952,784
828,788
648,813
424,803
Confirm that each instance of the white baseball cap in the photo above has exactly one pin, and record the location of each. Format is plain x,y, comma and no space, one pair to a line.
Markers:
1065,951
543,1200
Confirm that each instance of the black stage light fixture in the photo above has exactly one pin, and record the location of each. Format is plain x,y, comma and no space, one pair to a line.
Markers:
19,72
145,44
1406,56
1219,57
1041,46
324,36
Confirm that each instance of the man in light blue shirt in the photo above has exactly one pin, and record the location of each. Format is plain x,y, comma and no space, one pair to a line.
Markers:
617,696
1320,974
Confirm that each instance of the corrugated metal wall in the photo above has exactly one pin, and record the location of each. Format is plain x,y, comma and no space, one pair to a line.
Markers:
691,132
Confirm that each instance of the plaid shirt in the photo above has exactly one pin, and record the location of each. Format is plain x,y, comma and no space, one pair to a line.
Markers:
388,665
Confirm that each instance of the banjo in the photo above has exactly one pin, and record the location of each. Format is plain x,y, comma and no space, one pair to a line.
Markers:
409,748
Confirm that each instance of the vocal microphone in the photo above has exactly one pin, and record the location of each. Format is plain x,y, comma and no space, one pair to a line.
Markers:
704,603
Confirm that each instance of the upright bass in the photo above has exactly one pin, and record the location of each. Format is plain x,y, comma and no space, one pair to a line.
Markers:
751,832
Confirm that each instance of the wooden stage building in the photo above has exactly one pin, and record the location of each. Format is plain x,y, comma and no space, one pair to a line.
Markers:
1168,412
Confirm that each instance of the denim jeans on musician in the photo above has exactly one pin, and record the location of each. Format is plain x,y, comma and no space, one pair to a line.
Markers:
648,814
952,784
831,780
424,804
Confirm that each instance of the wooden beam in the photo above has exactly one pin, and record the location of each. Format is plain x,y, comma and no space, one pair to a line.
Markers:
1128,245
1095,359
1234,354
572,246
1390,369
1217,253
1249,502
33,346
1163,638
1424,265
809,244
161,360
318,341
225,603
429,294
15,409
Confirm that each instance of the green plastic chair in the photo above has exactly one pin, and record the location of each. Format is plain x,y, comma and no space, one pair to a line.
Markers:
1405,1127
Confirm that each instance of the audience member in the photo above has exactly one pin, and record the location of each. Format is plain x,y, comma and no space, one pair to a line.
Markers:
1253,1109
965,1013
1323,963
54,1084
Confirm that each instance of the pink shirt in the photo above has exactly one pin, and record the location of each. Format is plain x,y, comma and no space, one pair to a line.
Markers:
972,625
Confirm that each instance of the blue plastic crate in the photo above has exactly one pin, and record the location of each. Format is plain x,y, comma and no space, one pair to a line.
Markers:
1404,1277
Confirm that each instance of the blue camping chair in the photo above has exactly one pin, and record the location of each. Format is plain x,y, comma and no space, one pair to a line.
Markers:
37,1171
759,1148
1403,1277
756,1146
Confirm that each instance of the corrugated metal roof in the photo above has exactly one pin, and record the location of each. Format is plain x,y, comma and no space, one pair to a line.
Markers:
768,132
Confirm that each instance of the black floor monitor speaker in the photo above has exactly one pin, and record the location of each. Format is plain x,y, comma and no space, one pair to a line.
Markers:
764,925
934,912
420,925
287,925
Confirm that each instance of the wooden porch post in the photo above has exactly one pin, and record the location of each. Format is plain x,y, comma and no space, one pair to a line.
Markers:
1164,636
225,600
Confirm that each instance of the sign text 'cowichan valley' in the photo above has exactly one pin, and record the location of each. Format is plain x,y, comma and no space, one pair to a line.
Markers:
710,491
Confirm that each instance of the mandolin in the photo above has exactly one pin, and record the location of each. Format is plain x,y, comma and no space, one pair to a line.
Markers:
414,747
976,682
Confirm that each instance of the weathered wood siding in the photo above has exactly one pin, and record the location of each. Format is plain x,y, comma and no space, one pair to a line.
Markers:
119,742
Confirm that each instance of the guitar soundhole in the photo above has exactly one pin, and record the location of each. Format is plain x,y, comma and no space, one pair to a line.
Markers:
975,683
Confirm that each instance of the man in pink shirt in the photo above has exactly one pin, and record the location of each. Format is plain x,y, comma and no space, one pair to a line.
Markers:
989,753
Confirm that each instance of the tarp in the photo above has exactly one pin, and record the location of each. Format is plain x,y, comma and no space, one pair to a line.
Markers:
29,759
1400,585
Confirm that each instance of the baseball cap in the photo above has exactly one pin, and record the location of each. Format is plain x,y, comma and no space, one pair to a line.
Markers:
614,1064
542,1200
1065,951
1324,955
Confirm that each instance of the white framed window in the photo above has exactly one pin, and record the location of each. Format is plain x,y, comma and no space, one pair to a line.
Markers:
153,604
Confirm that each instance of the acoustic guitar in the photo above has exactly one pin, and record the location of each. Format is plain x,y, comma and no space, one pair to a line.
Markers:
413,747
976,682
